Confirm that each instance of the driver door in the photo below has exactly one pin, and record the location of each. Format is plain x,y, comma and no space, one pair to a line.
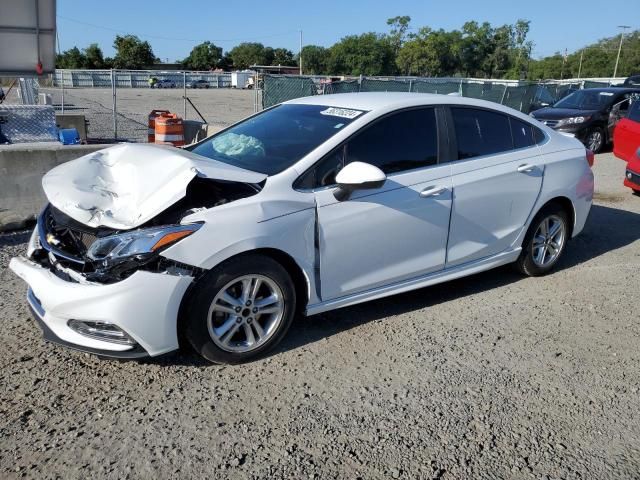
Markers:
397,231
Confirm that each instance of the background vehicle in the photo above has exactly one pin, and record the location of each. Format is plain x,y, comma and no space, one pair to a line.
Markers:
632,81
626,145
165,83
198,84
589,115
315,204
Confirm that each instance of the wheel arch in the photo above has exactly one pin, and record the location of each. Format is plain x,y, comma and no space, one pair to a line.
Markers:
300,282
567,205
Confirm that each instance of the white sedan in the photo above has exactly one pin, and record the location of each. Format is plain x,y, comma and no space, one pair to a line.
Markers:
309,206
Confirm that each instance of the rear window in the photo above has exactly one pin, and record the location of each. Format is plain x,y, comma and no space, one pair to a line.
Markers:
481,132
276,138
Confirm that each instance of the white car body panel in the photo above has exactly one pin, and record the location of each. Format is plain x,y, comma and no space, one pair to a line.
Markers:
126,185
493,201
407,239
377,243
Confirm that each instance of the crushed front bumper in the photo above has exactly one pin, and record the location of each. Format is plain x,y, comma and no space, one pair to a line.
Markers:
144,305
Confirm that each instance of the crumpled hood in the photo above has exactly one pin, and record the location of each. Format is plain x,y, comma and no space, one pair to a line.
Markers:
127,185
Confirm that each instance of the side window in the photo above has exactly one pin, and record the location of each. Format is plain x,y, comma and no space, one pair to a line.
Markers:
522,133
538,135
634,111
401,141
323,173
481,132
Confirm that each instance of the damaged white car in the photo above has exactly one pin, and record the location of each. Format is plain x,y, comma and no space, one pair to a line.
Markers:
313,205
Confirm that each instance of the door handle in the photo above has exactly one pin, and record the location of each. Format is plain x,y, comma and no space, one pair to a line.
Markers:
433,191
526,168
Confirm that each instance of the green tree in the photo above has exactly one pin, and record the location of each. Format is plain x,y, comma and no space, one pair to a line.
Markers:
398,33
93,57
366,54
315,60
282,56
133,53
250,53
204,56
430,53
72,58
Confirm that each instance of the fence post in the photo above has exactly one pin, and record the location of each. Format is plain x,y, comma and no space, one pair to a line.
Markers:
113,96
504,92
184,95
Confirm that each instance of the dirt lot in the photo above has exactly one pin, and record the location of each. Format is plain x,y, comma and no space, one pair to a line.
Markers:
492,376
218,106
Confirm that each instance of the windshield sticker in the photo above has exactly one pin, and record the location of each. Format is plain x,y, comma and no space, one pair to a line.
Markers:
608,94
342,112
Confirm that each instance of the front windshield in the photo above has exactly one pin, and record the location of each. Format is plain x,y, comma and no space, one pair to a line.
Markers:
586,100
277,138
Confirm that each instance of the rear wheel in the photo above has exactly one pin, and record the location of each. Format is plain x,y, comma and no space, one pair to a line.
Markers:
240,309
545,241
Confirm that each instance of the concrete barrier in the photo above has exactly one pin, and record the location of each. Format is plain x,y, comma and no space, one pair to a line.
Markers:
21,169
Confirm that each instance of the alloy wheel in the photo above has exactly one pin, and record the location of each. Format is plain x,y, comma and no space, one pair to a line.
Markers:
548,241
245,313
594,140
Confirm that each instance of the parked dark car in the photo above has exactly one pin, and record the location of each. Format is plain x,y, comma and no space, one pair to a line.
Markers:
165,83
590,115
198,84
632,81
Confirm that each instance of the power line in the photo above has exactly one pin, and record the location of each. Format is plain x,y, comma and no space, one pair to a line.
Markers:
160,37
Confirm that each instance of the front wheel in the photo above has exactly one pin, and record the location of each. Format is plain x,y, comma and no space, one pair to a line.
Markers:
240,309
595,139
545,241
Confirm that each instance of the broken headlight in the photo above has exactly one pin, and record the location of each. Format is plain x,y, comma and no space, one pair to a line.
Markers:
146,242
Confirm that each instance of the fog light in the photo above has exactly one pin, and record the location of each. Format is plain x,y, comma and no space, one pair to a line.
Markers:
107,332
629,176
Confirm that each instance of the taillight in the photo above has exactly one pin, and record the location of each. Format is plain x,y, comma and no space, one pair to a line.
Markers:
591,158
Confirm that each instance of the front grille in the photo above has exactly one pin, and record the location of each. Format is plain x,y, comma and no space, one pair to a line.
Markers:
633,177
550,123
65,236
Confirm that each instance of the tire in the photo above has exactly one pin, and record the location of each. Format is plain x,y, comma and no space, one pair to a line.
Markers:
636,192
539,255
595,140
218,318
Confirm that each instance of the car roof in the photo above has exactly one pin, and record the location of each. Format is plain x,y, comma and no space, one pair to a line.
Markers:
386,101
613,89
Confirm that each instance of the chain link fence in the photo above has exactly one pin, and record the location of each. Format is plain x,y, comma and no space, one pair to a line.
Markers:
522,96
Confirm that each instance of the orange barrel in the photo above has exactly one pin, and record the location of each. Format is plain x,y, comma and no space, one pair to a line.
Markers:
151,134
169,129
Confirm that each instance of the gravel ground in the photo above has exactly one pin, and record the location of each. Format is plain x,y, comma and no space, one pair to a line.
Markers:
218,106
492,376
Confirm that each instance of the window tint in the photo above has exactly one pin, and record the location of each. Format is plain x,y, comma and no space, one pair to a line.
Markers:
522,133
634,111
323,173
480,132
402,141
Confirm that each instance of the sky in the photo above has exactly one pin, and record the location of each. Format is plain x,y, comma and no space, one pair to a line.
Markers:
174,27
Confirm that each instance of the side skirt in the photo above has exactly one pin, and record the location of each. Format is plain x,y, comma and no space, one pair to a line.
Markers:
458,271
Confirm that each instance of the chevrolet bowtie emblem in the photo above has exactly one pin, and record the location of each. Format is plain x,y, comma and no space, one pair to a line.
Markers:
52,240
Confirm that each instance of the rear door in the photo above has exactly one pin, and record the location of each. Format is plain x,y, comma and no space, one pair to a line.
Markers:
496,182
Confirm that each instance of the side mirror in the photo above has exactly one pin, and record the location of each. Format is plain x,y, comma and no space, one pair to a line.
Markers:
358,176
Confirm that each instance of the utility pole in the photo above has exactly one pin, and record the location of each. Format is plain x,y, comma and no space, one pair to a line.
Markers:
580,66
623,27
300,53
